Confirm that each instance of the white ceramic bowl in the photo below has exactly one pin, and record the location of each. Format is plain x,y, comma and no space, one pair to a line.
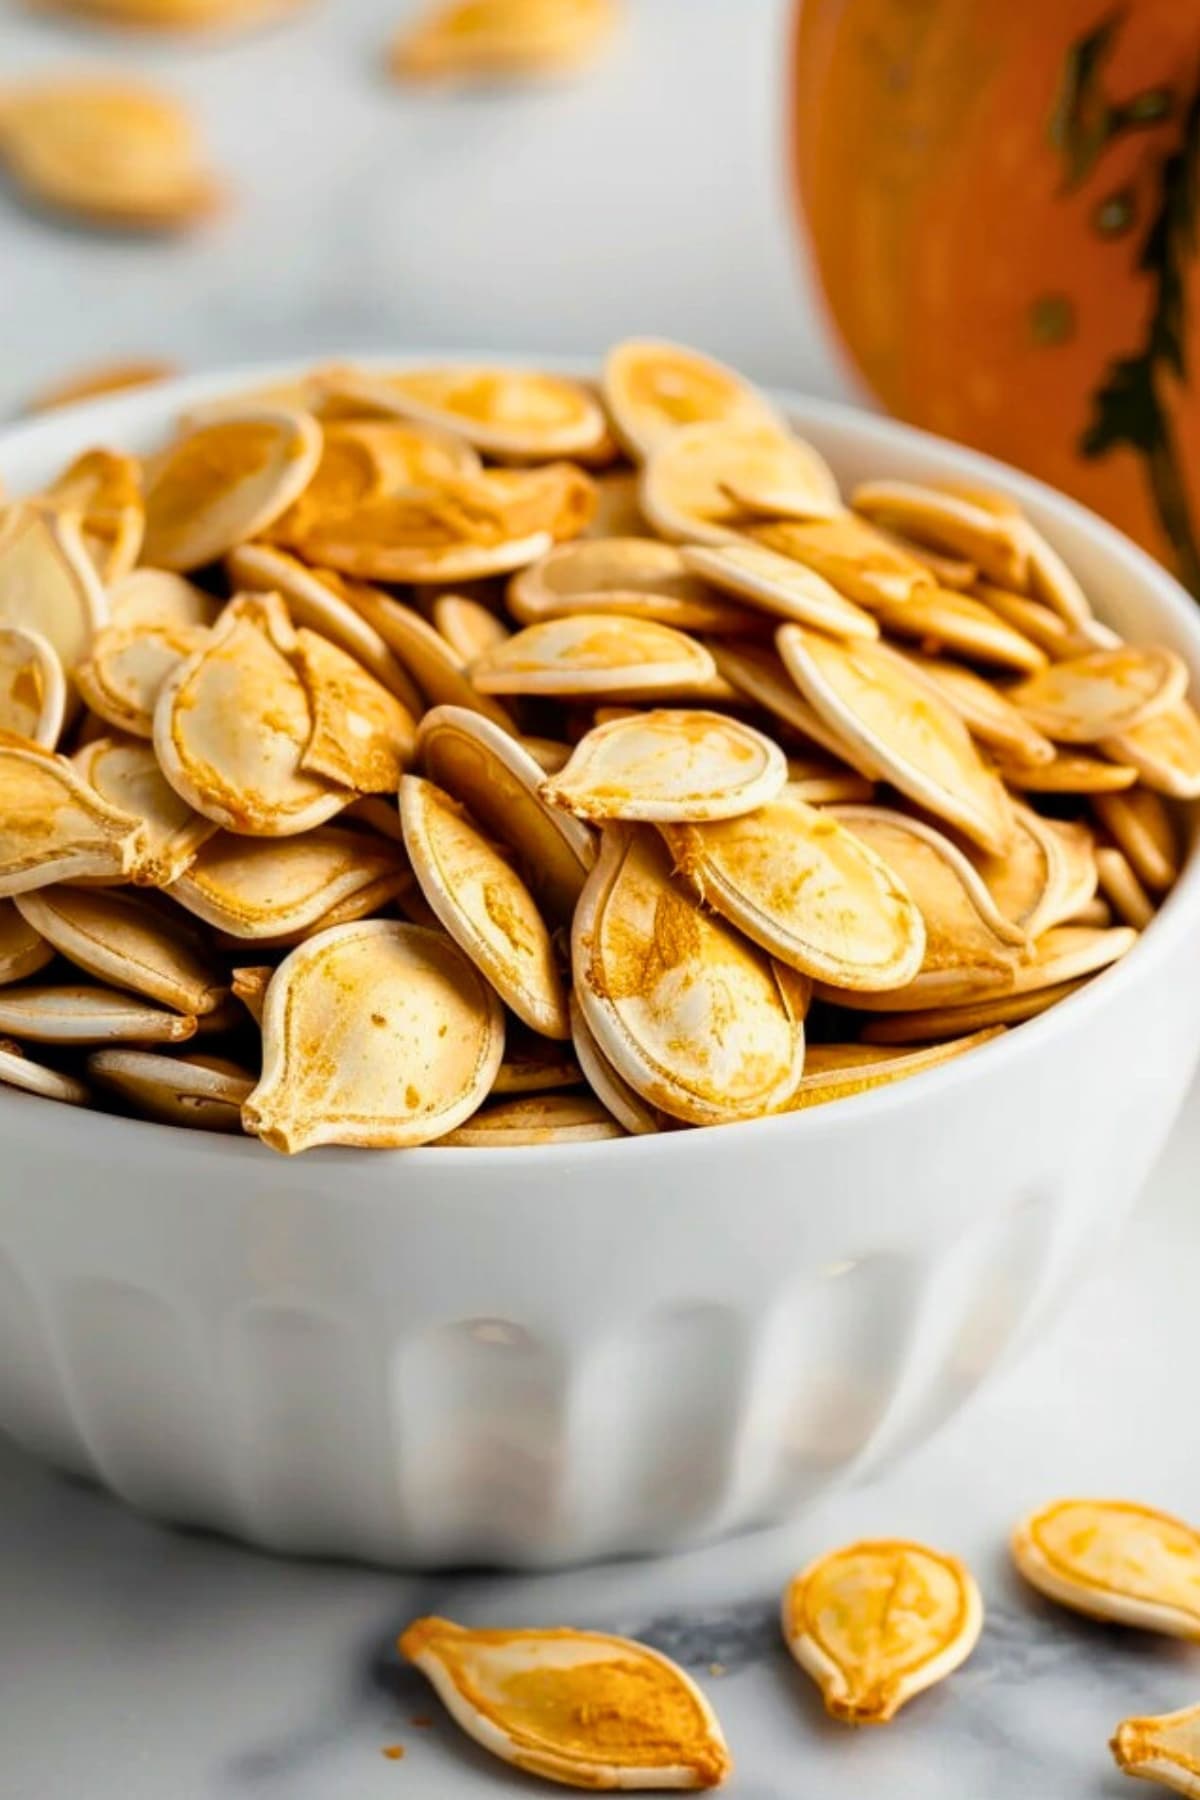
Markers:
539,1356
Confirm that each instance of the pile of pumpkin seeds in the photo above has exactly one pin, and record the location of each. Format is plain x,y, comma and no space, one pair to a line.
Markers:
482,756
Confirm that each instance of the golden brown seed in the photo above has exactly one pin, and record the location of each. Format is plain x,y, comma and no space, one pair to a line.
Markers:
121,677
362,736
208,16
1140,822
467,625
33,688
367,460
970,946
258,889
850,554
434,666
636,576
691,477
53,826
654,1729
231,726
198,1092
102,491
612,1090
959,625
940,1023
756,672
322,601
1164,752
698,1021
23,951
522,415
126,774
653,389
377,1034
1165,1749
19,1071
1122,889
128,942
1089,698
110,153
48,583
1069,773
878,1622
158,596
484,905
499,783
471,41
669,764
955,523
984,709
535,1119
595,654
779,587
808,889
869,1066
1115,1560
915,739
462,529
75,1014
1036,621
102,378
1037,882
221,484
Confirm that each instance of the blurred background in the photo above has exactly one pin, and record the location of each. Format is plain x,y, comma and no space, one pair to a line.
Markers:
649,193
999,205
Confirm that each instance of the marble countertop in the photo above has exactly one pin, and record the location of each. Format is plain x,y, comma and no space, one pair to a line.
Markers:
138,1663
649,196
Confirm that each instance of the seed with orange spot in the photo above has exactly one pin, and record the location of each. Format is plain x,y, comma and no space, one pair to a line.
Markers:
878,1622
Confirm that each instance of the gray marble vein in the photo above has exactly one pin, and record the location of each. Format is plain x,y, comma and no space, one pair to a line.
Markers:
364,216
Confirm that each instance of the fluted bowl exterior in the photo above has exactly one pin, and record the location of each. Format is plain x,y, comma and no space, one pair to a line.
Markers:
540,1356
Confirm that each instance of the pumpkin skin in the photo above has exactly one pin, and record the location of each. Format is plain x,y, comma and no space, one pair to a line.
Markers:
985,188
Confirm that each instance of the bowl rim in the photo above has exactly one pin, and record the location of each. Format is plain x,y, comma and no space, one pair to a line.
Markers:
136,409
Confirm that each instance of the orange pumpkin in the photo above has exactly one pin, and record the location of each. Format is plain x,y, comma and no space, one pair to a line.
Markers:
1003,198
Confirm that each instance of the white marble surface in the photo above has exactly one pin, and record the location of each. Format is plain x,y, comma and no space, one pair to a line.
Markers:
649,196
143,1664
138,1663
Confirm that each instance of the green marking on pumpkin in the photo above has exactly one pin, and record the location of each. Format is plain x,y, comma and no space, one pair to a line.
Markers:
1084,120
1128,408
1052,319
1149,108
1114,215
